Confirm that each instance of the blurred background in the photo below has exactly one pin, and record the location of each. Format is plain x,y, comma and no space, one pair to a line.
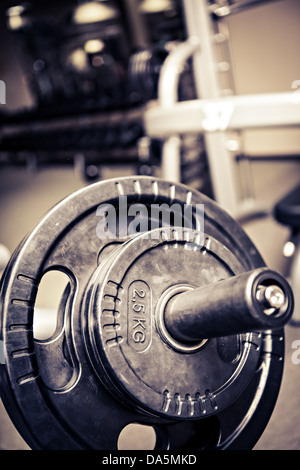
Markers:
79,77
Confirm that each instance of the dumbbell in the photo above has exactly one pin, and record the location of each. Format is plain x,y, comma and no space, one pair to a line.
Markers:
170,319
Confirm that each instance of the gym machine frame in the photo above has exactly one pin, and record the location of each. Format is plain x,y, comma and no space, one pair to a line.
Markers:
211,114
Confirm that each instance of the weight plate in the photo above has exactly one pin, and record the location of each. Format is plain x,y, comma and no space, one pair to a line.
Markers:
129,344
79,409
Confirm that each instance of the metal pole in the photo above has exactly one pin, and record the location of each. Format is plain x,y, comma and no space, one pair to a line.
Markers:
199,26
253,301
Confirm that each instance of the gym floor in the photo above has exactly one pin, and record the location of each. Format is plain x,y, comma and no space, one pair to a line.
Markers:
25,196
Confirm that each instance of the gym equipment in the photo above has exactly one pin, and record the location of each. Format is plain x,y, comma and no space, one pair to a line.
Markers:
170,319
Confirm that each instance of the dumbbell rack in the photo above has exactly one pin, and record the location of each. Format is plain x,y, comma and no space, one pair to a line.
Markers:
211,113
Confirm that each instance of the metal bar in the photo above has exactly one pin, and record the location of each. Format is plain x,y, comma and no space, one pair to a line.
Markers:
224,114
168,96
200,30
268,158
238,7
256,300
134,21
171,71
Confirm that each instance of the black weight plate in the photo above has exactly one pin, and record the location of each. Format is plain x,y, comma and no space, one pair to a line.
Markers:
80,413
127,340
